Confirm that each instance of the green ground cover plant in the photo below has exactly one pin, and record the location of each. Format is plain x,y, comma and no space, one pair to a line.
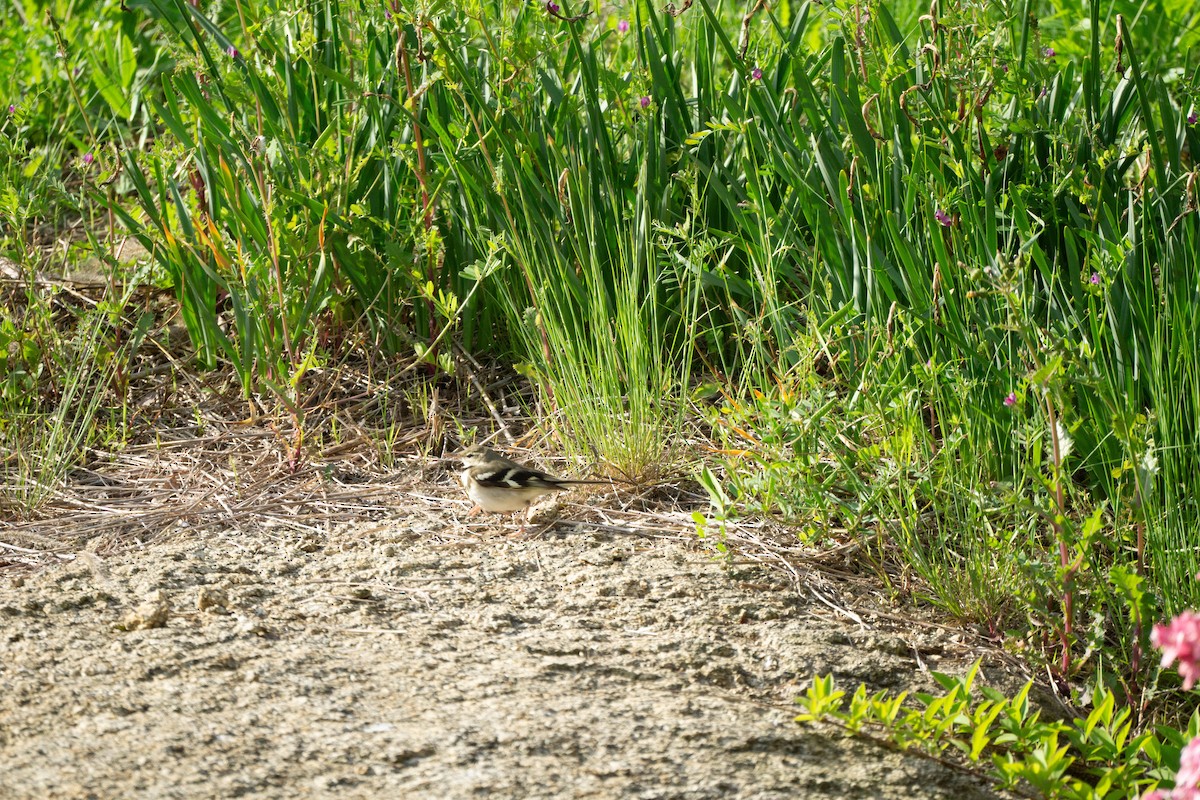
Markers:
928,273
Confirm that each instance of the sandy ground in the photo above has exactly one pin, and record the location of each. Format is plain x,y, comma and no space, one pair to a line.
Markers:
415,658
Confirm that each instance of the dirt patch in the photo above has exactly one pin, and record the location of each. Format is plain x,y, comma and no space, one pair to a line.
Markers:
411,659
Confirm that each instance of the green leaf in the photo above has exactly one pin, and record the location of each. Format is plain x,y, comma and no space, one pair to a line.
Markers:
113,67
1042,375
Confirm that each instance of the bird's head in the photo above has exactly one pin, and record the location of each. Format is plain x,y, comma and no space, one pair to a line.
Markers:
475,456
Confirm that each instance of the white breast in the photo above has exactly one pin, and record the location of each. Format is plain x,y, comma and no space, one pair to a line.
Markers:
495,499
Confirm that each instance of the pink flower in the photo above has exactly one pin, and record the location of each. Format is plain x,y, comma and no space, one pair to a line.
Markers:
231,51
88,158
1178,793
1011,399
1049,52
645,101
1180,640
943,217
552,7
756,74
1095,279
623,26
1189,766
1191,117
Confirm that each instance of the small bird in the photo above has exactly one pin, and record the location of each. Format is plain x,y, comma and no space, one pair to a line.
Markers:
496,484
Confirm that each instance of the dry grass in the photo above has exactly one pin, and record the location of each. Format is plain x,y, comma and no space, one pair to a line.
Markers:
188,449
235,477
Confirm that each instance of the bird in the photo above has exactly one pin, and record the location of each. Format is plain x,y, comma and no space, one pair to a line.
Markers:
497,484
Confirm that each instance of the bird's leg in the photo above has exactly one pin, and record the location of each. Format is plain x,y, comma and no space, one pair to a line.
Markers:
524,520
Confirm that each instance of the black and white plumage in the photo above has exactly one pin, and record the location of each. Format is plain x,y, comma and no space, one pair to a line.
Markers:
496,484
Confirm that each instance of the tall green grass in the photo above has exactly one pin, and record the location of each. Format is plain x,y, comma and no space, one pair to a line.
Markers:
600,307
1002,222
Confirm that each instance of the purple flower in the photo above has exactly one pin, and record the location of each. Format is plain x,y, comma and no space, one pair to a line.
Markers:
1043,93
1011,400
943,217
12,109
552,6
88,158
1191,117
1049,52
623,26
645,101
756,74
1095,279
387,14
231,51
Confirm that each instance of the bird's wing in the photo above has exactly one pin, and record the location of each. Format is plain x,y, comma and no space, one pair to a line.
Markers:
497,461
509,475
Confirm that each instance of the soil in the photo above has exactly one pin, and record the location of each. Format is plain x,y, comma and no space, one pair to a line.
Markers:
419,657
